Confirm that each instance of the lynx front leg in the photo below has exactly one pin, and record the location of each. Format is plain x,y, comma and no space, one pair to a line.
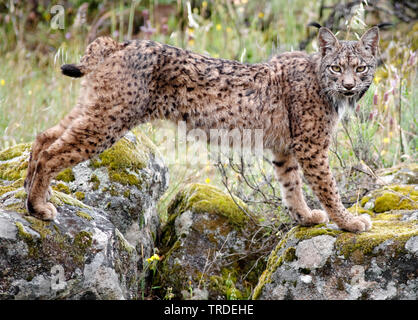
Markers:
286,167
316,170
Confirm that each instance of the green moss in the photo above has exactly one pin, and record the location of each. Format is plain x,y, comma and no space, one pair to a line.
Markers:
15,151
84,215
29,240
225,287
124,178
96,182
83,240
13,170
80,195
5,189
20,194
11,187
59,199
394,197
289,254
303,233
62,188
127,193
392,201
356,209
275,260
26,236
387,227
42,227
124,244
204,198
124,159
65,175
364,200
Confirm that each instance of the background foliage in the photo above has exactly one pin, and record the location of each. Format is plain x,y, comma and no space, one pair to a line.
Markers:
380,133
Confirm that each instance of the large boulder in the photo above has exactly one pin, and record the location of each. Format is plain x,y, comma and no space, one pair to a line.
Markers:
325,263
107,222
208,246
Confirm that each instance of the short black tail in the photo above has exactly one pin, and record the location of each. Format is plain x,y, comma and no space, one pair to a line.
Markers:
71,70
314,24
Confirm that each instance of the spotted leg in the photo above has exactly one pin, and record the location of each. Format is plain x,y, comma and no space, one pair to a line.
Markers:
287,171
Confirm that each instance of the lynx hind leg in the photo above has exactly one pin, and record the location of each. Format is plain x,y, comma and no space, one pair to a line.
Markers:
286,167
86,137
44,140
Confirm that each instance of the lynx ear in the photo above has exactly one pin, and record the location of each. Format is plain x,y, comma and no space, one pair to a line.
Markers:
370,40
327,40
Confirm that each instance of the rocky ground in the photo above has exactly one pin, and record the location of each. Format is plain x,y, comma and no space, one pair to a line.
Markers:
107,231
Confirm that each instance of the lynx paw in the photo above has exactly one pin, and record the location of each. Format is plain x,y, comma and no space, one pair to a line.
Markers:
45,211
358,224
319,216
315,217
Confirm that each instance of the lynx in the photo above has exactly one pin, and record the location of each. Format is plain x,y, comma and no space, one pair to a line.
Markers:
296,98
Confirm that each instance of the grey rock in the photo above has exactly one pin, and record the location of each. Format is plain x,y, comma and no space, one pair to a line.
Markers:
104,231
330,264
313,253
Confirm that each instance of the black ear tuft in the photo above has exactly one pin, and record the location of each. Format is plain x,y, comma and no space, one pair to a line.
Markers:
71,70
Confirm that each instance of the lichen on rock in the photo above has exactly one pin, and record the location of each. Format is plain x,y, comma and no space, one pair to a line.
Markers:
331,264
207,231
92,249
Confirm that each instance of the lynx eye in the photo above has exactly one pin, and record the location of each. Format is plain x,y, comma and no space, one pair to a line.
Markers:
336,69
361,69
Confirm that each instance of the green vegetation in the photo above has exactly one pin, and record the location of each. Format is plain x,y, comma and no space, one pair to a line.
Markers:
34,95
204,198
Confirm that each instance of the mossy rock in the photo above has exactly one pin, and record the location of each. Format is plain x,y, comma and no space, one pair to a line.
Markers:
101,248
14,162
392,197
128,156
401,174
205,198
382,252
205,232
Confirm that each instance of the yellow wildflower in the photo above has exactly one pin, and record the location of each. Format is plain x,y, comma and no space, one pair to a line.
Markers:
204,4
386,140
2,82
207,180
191,42
218,27
261,15
154,257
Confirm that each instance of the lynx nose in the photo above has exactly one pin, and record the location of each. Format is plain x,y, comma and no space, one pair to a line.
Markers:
348,85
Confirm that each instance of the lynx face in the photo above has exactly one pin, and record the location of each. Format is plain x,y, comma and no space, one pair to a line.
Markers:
347,67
